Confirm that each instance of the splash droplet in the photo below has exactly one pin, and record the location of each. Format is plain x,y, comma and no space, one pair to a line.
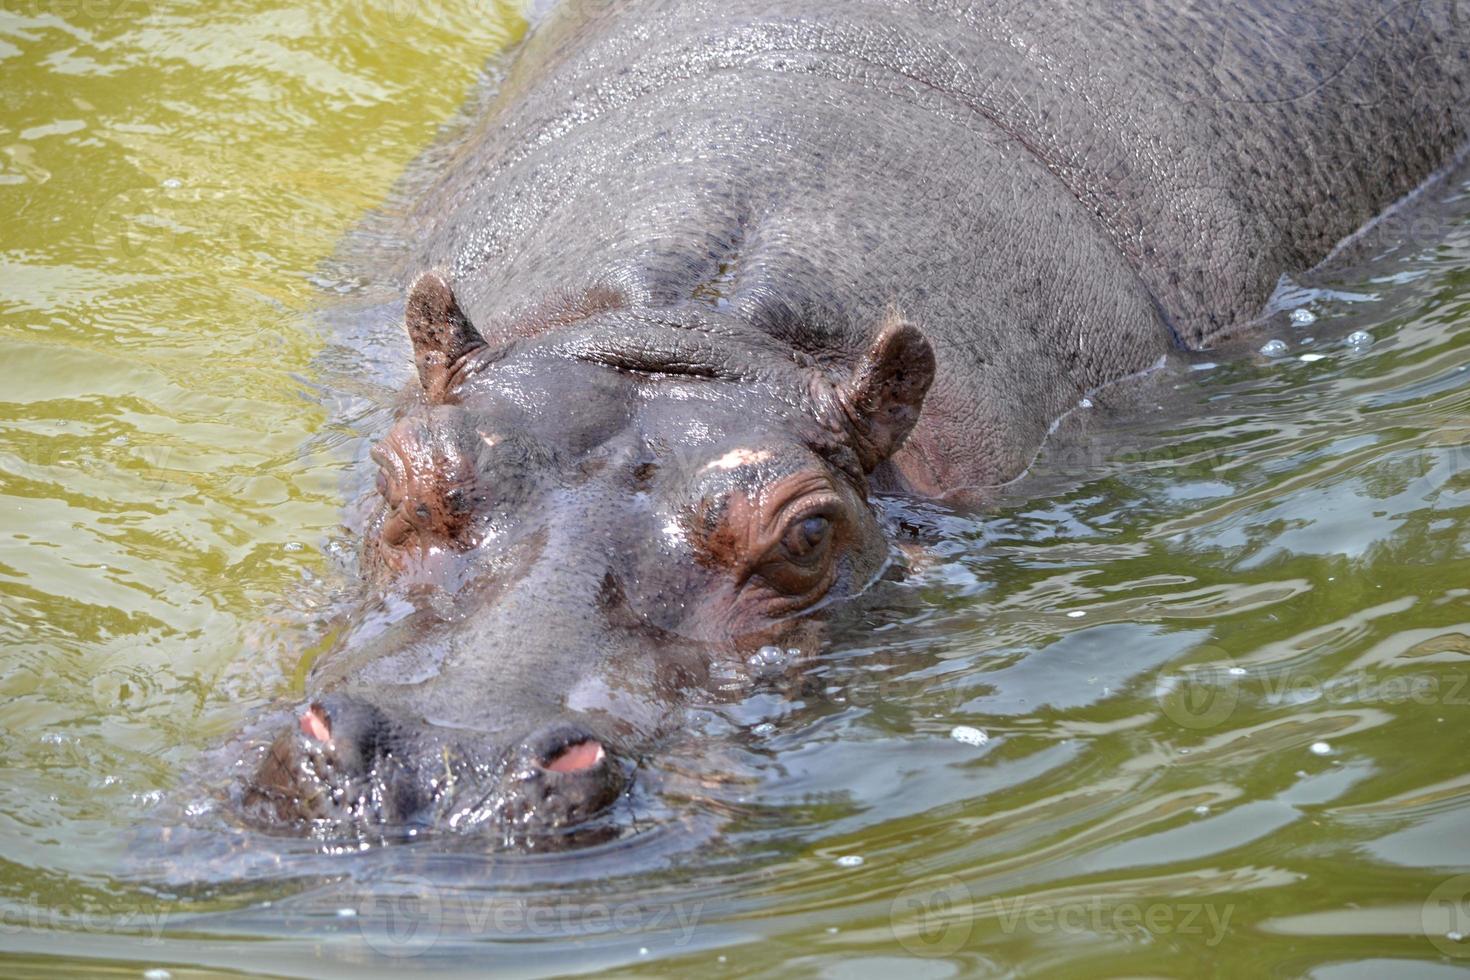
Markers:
968,735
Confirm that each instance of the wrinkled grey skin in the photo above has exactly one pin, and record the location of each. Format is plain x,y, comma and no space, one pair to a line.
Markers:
713,272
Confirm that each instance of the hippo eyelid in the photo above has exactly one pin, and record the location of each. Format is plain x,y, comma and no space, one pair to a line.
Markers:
823,505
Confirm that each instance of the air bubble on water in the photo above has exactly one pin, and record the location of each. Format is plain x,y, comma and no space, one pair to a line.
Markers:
1273,348
1085,403
1076,614
1321,748
768,656
1454,937
850,861
1236,672
293,545
1311,358
1302,316
968,735
642,950
1309,340
1202,810
157,973
347,913
831,930
763,729
1359,339
720,958
172,183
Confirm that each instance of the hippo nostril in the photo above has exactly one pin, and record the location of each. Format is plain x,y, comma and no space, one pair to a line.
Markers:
316,724
578,757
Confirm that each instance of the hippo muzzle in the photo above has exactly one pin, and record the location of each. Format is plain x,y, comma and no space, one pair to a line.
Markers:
351,768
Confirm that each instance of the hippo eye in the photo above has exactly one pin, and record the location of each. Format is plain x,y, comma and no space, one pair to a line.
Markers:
805,538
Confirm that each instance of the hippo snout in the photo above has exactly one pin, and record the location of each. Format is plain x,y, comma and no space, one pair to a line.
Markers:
346,767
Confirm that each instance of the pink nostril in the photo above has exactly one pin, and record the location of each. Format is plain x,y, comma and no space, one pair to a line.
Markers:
576,758
314,724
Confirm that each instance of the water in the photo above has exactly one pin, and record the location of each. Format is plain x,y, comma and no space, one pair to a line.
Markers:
1192,699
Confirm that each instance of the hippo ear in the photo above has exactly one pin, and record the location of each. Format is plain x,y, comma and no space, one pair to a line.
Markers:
440,332
885,394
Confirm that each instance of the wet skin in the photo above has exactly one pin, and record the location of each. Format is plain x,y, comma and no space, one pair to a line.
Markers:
569,571
704,288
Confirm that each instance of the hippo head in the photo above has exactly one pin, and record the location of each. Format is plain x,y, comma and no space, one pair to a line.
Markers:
577,531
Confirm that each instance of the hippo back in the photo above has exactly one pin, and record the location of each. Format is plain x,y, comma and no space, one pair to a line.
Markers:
1048,190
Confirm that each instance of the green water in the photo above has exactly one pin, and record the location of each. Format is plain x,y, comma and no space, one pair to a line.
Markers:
1221,656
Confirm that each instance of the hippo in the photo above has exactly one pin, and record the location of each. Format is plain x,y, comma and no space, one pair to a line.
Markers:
705,278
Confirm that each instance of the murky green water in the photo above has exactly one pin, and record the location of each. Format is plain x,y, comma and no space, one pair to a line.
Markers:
1220,658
